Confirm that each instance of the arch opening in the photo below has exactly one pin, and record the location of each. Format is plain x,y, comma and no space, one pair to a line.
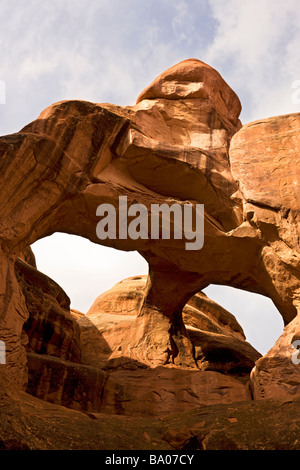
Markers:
83,269
261,321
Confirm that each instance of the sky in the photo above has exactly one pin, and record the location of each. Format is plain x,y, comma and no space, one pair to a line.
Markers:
109,51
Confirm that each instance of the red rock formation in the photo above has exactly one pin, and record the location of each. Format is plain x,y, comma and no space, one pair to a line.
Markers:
264,157
50,328
181,142
124,386
269,424
162,391
217,338
133,389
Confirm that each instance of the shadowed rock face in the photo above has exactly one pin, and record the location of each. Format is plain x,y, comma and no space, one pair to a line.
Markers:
217,338
69,353
182,141
247,425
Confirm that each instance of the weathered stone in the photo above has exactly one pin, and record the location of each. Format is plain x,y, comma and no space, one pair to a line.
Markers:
264,158
65,383
50,328
27,423
263,425
126,297
182,142
162,391
277,374
216,336
223,353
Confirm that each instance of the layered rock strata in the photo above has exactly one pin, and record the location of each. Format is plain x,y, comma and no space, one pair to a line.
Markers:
92,382
182,142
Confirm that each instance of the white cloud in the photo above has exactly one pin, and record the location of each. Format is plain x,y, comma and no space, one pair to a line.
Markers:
181,24
32,68
257,45
97,50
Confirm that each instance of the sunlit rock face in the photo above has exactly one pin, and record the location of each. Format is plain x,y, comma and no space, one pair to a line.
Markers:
217,337
265,159
98,383
181,143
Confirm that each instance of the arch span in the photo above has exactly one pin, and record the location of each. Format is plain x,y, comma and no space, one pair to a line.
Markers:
77,155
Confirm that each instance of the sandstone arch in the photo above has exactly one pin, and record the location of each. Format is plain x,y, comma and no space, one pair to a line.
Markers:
182,141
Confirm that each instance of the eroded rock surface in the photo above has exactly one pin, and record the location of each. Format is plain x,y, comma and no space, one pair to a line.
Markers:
77,155
28,423
268,150
217,338
50,328
181,143
96,383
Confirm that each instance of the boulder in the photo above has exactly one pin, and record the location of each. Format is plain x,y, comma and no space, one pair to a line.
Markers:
217,338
